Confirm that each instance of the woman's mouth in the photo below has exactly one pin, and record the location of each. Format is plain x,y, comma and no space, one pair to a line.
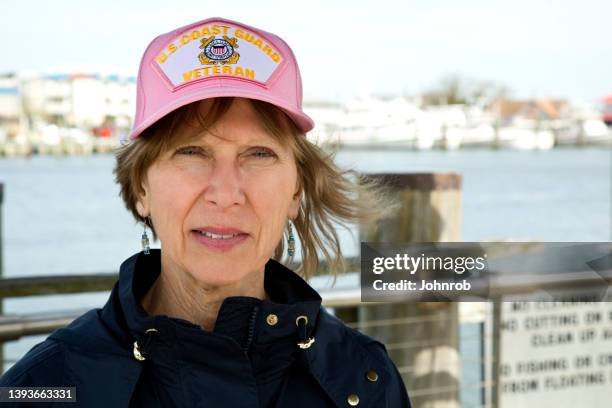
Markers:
219,241
217,236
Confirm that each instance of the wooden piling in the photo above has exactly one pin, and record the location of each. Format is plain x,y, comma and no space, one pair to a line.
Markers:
426,352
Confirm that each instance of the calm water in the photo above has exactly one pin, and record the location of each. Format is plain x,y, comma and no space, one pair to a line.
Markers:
64,215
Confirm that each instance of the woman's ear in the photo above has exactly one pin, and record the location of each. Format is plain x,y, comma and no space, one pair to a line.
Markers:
141,209
296,202
142,202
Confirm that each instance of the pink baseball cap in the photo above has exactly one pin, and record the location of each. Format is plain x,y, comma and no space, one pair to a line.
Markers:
213,58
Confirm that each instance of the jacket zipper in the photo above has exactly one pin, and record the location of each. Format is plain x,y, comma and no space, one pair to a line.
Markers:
251,331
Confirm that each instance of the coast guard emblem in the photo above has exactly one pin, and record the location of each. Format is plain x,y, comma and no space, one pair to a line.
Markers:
219,50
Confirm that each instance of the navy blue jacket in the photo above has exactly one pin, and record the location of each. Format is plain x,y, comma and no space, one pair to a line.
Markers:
250,358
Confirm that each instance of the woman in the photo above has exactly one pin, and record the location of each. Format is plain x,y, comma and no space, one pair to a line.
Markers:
218,168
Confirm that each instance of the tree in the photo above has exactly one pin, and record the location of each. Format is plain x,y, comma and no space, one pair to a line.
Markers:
454,89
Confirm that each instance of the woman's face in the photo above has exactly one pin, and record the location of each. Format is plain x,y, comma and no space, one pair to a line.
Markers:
220,202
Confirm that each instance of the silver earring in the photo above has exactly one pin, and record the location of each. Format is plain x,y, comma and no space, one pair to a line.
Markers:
145,239
290,241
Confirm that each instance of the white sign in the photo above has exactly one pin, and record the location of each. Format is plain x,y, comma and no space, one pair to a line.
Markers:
556,354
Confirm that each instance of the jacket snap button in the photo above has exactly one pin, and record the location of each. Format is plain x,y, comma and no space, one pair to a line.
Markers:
272,319
372,375
137,353
353,400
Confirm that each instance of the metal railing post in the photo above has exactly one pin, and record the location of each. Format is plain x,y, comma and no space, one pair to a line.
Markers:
496,352
1,274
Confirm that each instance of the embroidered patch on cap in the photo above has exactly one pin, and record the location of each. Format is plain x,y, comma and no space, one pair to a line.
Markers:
217,50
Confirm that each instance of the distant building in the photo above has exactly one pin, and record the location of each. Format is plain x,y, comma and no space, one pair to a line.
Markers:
607,110
11,108
80,100
513,112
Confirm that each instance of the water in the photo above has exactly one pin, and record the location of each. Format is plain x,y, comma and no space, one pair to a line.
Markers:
64,215
555,195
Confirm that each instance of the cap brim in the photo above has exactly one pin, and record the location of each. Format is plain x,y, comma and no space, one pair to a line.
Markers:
303,121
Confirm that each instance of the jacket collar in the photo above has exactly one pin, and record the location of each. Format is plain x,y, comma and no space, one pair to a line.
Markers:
290,297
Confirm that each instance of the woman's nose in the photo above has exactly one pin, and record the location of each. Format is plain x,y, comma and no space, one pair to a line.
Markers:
224,188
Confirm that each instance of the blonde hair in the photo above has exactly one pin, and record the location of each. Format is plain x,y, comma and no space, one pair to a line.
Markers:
329,194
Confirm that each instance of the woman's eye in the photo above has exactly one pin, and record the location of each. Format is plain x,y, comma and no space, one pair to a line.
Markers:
262,152
189,151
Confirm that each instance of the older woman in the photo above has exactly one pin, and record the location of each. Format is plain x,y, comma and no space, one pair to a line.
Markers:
219,169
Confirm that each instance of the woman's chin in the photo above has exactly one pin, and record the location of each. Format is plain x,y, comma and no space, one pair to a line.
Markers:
224,275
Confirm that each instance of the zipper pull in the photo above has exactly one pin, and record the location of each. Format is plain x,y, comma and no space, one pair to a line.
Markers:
302,328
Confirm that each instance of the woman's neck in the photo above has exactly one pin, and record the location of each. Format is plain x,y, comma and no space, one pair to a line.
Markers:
177,294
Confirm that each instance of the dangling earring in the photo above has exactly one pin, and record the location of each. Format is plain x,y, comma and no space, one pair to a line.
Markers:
145,239
290,241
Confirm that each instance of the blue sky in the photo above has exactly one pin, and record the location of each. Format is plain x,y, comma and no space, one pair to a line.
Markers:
537,48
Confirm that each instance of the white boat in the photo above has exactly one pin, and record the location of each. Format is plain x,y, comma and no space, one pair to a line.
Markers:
585,132
525,138
393,135
482,135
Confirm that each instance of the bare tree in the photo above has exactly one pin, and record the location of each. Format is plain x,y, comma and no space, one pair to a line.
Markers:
455,89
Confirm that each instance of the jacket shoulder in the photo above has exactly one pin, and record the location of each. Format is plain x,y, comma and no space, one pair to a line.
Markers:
340,332
377,355
42,365
397,395
89,334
